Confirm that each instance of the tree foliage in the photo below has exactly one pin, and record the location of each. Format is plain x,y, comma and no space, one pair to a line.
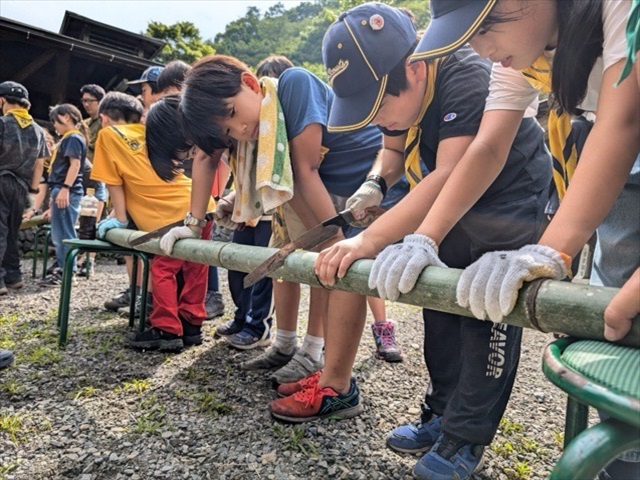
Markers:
184,41
295,32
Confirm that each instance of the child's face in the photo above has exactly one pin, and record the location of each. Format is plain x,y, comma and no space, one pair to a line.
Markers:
532,27
242,122
401,112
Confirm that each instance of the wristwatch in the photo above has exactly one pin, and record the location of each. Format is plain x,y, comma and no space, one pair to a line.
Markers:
190,220
382,183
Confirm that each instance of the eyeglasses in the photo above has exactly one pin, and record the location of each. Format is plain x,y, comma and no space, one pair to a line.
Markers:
89,100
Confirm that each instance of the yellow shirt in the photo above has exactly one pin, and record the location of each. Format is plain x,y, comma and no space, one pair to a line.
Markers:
120,158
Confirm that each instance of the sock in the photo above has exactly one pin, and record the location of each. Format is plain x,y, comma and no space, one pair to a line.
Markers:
380,322
286,341
313,346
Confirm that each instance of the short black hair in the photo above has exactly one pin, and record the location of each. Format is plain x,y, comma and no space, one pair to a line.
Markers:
120,106
173,75
273,66
397,77
164,137
96,91
23,102
205,98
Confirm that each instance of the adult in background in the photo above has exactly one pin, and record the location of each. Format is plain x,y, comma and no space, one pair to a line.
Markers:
22,151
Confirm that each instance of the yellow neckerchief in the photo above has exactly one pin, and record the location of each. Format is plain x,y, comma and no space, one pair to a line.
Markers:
559,127
412,145
22,116
54,153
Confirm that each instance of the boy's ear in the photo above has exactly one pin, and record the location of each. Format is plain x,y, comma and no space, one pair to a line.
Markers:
417,70
250,81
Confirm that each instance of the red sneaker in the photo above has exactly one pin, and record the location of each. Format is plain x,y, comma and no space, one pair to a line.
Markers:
287,389
314,403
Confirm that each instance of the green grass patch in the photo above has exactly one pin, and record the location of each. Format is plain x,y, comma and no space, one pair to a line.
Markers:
508,426
292,438
43,355
210,404
137,386
12,425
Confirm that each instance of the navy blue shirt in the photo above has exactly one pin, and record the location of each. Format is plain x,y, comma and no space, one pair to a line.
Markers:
462,85
73,146
305,99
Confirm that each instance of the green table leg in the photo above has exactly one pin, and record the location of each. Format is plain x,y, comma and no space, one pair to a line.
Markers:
65,296
577,419
45,253
132,291
594,448
143,289
34,267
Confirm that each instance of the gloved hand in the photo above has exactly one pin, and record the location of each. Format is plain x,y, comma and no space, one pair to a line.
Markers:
107,224
222,214
172,236
368,195
489,287
397,268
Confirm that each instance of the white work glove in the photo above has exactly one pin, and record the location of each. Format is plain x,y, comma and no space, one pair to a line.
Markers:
397,268
169,239
489,286
222,214
368,195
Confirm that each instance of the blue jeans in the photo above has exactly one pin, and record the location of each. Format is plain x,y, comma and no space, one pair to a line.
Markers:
254,305
63,221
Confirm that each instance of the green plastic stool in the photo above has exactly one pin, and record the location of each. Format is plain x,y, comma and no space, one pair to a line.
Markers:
46,229
600,375
87,246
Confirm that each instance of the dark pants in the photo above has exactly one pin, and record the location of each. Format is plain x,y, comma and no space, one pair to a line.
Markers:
472,363
254,305
12,201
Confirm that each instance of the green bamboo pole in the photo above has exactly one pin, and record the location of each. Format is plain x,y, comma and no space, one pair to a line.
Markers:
33,222
547,305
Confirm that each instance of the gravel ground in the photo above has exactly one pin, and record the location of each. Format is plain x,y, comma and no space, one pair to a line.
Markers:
98,410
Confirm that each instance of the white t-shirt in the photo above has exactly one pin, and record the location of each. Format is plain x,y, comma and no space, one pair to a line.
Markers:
510,90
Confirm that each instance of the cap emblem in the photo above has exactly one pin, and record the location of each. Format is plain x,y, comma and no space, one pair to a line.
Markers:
333,72
376,22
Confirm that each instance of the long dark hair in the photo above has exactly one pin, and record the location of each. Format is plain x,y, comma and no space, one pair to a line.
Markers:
74,114
580,39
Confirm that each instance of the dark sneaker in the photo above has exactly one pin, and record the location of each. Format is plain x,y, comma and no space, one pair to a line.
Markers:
155,339
54,280
287,389
269,360
191,334
214,305
300,366
6,358
314,403
119,301
418,436
386,347
229,328
84,271
449,459
124,311
14,285
245,340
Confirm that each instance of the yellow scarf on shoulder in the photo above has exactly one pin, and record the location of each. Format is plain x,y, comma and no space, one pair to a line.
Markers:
54,153
565,159
262,170
22,116
412,145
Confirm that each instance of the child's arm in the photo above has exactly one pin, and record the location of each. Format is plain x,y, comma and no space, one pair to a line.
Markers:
475,172
62,200
204,169
311,202
118,217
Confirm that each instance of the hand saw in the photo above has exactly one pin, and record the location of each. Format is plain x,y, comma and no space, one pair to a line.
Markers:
162,230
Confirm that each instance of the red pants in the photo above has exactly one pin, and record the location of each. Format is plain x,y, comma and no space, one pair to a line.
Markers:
168,309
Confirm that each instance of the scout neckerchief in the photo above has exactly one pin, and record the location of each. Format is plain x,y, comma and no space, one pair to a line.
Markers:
633,39
263,174
412,145
22,116
565,157
54,153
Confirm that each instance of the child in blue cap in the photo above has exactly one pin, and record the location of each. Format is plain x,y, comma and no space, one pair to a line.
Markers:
431,112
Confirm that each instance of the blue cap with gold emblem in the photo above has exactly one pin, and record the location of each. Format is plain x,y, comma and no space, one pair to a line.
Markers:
358,51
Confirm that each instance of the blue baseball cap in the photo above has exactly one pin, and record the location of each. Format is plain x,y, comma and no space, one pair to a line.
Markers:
453,23
150,75
359,50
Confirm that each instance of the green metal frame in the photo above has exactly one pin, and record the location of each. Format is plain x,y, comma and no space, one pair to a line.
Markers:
45,249
87,246
588,450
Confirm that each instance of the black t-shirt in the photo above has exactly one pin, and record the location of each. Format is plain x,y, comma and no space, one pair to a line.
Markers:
72,146
20,148
462,85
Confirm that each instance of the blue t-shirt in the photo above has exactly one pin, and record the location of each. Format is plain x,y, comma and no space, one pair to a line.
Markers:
73,146
305,99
